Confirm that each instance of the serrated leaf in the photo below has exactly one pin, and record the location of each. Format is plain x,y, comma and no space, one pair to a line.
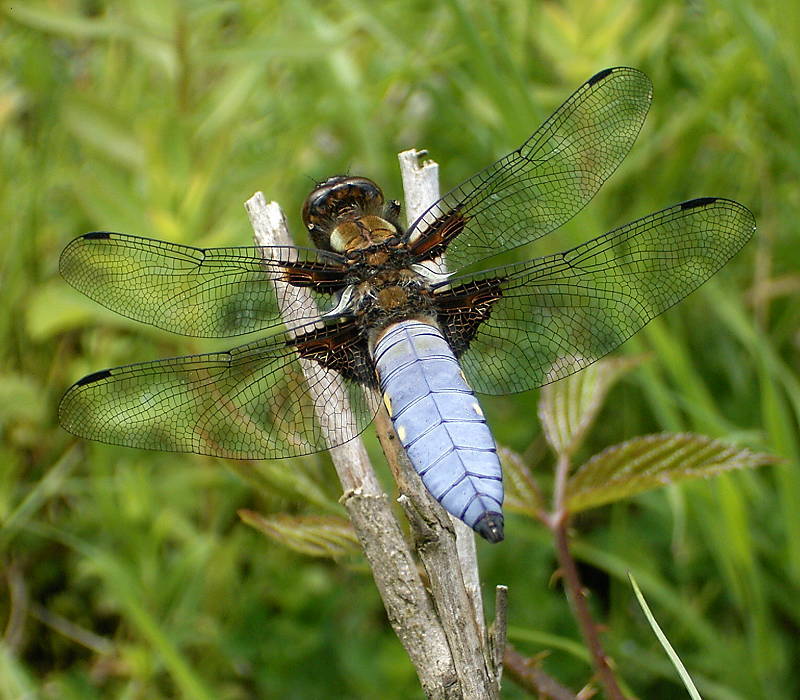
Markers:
316,536
568,408
269,476
521,491
652,461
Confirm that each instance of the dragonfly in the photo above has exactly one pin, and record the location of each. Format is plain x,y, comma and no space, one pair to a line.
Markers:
388,322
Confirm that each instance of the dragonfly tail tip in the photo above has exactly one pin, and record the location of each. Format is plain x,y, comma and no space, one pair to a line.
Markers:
490,527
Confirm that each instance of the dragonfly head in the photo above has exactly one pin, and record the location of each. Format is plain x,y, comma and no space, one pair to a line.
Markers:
344,213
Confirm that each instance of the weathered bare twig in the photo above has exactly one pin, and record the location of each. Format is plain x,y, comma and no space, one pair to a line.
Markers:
446,546
448,645
499,628
421,189
435,542
446,641
533,679
407,604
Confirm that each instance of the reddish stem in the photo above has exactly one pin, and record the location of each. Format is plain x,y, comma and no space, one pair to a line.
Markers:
528,676
576,594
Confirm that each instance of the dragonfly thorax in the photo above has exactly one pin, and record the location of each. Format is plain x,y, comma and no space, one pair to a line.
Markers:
361,232
392,298
387,296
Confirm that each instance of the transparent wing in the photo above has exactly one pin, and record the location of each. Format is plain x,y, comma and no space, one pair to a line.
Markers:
201,292
523,325
252,402
543,183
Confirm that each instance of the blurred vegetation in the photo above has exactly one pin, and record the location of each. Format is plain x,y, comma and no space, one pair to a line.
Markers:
129,574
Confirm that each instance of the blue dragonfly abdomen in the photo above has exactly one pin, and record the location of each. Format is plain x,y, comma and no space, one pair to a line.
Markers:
440,424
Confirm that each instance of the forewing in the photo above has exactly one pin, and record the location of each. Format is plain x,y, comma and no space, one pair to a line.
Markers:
252,402
201,292
543,183
520,326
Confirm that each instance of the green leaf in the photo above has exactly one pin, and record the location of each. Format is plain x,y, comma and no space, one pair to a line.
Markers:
652,461
316,536
568,408
521,491
662,638
295,481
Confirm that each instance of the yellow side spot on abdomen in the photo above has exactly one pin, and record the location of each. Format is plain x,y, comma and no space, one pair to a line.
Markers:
388,403
401,433
478,409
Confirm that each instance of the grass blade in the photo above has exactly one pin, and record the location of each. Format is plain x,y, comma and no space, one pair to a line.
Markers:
662,638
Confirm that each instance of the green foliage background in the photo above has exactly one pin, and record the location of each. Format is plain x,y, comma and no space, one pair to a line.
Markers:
128,574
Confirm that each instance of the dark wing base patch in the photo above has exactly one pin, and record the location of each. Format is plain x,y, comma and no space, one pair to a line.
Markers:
462,310
339,348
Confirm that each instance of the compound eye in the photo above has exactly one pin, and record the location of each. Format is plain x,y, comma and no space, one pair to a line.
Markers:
340,194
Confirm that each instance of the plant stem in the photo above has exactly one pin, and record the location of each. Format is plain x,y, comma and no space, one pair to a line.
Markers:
576,593
531,678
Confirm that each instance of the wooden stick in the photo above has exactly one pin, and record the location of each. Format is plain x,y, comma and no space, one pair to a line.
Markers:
446,546
466,667
408,605
421,189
